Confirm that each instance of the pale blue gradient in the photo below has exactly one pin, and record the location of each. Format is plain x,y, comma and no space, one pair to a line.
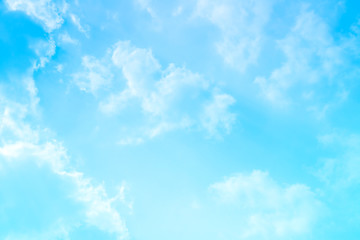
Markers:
201,119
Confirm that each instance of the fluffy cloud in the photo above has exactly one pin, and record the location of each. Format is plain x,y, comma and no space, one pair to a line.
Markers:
23,145
47,12
217,115
170,98
241,24
95,76
341,170
138,65
268,209
313,62
157,89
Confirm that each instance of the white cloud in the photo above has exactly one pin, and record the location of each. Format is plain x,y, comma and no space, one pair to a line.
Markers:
138,66
169,99
217,114
340,170
95,76
76,21
168,126
169,90
48,13
99,210
21,143
269,210
173,93
115,102
59,68
313,61
44,50
11,115
65,38
145,4
241,24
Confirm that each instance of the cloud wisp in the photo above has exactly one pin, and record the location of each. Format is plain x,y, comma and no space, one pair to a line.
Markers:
23,144
267,209
161,94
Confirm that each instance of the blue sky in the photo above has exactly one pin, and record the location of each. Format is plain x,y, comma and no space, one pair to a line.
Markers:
184,119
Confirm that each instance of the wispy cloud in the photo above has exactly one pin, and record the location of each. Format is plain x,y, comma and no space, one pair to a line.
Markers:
269,210
340,170
314,61
95,76
76,21
170,98
242,26
217,115
21,144
46,12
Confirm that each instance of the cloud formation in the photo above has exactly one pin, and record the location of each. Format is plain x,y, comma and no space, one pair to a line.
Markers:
23,144
242,28
94,77
340,170
267,209
314,60
161,94
48,13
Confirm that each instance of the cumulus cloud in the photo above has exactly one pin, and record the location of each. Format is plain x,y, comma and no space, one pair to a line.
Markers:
268,210
340,170
169,98
157,89
138,66
217,114
241,24
22,144
99,207
46,12
314,60
95,76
